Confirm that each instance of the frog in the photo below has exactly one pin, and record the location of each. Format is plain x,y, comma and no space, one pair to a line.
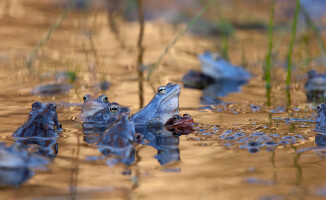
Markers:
315,86
163,106
101,110
118,141
180,124
321,118
120,134
42,122
220,69
47,147
16,164
197,80
97,115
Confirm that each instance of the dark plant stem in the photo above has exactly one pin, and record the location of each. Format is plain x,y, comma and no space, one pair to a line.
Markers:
140,47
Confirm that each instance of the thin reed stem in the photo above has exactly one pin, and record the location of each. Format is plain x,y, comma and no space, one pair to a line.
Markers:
141,21
289,56
268,63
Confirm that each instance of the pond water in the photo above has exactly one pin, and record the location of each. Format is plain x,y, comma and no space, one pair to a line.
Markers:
210,163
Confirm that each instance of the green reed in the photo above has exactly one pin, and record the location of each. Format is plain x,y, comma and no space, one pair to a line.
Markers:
268,62
47,36
227,30
289,56
177,36
314,28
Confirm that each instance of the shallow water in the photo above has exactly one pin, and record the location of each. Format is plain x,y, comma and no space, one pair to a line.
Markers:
206,165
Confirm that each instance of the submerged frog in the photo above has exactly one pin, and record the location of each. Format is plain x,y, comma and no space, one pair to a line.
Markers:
321,118
118,141
120,134
163,106
101,110
42,122
180,124
316,86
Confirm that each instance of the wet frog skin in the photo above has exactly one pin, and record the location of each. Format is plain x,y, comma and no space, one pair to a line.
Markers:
321,118
180,124
161,108
120,134
101,110
42,122
118,142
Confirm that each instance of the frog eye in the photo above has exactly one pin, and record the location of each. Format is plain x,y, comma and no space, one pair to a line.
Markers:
162,89
104,99
86,97
36,104
176,117
113,109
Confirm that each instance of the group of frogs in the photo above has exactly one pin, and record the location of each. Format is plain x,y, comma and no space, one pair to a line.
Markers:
113,130
105,123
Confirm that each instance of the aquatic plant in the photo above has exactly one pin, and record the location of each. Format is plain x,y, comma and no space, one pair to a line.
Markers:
268,63
289,56
226,30
47,36
177,36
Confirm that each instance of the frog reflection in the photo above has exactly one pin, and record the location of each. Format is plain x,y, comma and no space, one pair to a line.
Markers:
212,89
320,139
321,118
47,147
16,164
164,141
